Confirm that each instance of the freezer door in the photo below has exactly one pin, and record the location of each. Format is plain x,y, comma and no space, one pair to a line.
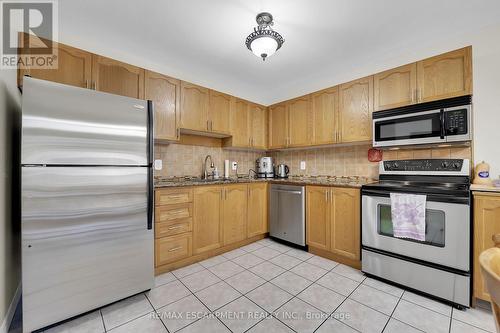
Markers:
85,240
68,125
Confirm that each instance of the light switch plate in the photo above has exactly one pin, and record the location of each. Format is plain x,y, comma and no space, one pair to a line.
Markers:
302,165
234,165
158,164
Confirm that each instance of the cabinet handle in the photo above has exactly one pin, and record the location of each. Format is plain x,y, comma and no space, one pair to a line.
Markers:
412,96
211,126
177,226
326,196
178,133
420,95
208,127
93,86
175,249
87,84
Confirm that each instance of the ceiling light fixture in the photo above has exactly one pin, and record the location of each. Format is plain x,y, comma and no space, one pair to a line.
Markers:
264,41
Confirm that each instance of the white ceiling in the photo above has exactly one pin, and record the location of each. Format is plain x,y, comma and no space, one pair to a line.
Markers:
326,41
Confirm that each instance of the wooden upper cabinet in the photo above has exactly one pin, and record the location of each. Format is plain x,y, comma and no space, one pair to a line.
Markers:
165,93
240,129
74,66
194,107
345,226
318,217
234,214
486,224
325,105
300,122
257,223
395,87
278,126
116,77
218,112
207,222
355,110
446,75
258,128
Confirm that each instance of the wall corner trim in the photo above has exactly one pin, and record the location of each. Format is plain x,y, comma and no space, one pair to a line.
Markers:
11,310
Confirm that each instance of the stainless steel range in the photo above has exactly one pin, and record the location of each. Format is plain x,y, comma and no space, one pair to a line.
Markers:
439,266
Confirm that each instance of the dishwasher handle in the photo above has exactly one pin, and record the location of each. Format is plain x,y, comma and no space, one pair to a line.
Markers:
286,191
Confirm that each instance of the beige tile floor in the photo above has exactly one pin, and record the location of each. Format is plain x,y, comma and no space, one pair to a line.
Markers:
269,287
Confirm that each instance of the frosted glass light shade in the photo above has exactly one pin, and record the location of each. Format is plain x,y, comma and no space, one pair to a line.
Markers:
264,46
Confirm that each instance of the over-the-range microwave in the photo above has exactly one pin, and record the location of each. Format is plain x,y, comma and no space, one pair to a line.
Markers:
443,121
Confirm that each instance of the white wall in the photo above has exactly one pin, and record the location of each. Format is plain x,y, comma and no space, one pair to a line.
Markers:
10,261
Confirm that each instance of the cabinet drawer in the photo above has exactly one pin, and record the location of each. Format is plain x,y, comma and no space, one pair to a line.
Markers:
173,227
170,196
173,212
173,248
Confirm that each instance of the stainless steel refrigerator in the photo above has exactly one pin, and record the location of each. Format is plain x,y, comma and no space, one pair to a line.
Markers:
87,200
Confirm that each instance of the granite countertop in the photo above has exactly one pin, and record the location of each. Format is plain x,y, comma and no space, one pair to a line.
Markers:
484,188
355,182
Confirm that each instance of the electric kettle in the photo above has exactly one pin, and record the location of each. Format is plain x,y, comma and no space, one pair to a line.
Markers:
282,171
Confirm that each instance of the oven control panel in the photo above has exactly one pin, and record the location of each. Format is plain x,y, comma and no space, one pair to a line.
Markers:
436,165
456,122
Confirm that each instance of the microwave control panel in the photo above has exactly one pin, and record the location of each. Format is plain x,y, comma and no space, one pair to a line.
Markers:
456,122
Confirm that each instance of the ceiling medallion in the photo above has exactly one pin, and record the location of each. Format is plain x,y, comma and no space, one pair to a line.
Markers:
264,41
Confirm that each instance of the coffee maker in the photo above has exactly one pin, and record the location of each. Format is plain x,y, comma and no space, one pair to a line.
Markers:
265,167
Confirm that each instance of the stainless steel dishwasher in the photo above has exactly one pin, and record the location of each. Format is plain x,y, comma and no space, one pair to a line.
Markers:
287,213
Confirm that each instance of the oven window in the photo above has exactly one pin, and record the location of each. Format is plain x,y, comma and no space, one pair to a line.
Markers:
434,225
415,127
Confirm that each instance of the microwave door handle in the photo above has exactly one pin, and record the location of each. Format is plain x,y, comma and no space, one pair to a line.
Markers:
442,120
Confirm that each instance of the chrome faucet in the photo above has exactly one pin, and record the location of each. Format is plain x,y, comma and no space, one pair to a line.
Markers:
212,166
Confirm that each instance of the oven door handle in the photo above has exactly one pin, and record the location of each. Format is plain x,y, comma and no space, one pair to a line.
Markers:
430,196
442,120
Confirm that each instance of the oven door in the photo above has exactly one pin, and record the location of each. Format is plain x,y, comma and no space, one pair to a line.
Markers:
447,239
409,129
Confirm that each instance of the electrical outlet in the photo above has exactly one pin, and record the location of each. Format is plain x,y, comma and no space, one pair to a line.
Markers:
158,164
302,165
234,165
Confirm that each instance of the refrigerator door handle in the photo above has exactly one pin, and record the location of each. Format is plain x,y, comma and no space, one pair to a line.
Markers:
150,162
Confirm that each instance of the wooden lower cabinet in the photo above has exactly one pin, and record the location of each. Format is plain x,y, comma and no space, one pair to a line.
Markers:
318,217
345,222
170,249
257,223
207,226
195,223
333,222
486,224
234,213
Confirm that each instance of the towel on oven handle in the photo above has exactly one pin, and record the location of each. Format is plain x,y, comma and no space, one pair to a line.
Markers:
408,215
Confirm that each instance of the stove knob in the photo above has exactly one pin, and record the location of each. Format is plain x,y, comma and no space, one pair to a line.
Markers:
444,164
395,165
456,165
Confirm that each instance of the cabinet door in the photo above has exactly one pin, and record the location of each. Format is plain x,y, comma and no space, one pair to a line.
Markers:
207,226
234,213
345,225
486,224
258,120
300,122
395,87
318,217
165,94
218,112
356,107
194,107
239,124
444,76
116,77
257,209
278,126
324,111
73,66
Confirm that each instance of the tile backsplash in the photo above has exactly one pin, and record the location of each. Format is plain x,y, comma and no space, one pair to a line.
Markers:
187,160
330,161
